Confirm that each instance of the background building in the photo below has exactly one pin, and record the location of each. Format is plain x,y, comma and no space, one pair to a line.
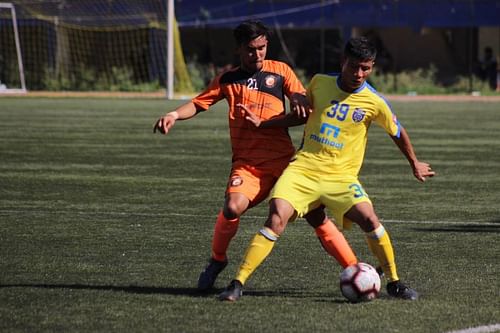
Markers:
90,44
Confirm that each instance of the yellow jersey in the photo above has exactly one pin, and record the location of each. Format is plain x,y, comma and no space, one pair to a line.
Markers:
336,131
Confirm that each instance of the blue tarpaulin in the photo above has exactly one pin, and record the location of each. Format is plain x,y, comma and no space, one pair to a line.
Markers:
286,13
334,13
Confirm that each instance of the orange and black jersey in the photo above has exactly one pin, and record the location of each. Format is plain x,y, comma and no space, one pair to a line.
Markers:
264,94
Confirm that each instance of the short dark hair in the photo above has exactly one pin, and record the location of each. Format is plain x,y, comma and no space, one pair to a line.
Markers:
249,30
360,48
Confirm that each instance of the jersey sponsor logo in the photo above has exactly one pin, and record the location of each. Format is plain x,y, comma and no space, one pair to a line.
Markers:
257,108
328,132
236,181
358,115
270,81
326,141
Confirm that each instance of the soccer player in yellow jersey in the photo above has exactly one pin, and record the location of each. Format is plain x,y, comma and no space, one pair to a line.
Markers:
325,169
259,156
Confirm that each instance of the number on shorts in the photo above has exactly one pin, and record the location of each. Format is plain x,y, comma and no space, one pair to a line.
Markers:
358,190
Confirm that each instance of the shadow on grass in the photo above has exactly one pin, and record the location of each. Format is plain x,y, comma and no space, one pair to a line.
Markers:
298,294
128,289
193,292
472,228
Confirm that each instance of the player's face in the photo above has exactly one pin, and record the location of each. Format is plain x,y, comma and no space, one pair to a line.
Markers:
354,73
252,55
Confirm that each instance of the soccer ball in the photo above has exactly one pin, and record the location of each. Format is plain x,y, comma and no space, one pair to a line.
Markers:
360,283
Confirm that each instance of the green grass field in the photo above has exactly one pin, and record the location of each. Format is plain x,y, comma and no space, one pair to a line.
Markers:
105,226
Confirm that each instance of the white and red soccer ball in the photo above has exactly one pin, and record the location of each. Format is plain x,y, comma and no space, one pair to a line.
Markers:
360,283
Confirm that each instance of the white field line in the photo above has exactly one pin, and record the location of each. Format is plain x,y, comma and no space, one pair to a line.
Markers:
209,216
479,329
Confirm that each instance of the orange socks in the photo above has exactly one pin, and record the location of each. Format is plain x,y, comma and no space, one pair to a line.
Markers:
335,244
224,231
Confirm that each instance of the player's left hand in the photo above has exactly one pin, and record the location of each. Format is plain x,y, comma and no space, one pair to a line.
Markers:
250,116
300,106
422,171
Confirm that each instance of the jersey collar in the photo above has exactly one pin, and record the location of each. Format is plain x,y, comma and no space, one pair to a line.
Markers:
361,87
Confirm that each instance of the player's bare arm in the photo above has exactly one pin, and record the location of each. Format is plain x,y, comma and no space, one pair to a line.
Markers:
299,104
165,123
285,120
421,170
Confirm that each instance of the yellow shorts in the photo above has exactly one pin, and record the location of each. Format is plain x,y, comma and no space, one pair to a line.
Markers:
306,191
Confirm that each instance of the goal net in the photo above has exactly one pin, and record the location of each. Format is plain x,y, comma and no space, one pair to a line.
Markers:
11,63
92,45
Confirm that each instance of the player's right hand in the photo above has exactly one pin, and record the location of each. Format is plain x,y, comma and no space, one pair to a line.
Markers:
422,171
300,106
165,123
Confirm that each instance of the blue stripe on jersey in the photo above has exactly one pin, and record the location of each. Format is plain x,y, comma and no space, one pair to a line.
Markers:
372,89
361,87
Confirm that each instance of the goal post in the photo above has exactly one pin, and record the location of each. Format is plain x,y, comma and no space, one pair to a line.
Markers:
91,45
5,86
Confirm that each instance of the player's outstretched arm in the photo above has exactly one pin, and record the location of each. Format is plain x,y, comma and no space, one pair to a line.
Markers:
285,120
165,123
421,170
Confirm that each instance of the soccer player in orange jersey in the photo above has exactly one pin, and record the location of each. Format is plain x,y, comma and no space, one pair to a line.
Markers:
259,156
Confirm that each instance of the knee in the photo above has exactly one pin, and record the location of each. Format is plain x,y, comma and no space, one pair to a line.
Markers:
235,205
276,223
280,212
369,222
233,209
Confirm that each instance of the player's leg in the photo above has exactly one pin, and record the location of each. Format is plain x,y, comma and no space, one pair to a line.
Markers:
380,245
264,183
332,240
293,194
280,212
376,236
226,226
243,186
